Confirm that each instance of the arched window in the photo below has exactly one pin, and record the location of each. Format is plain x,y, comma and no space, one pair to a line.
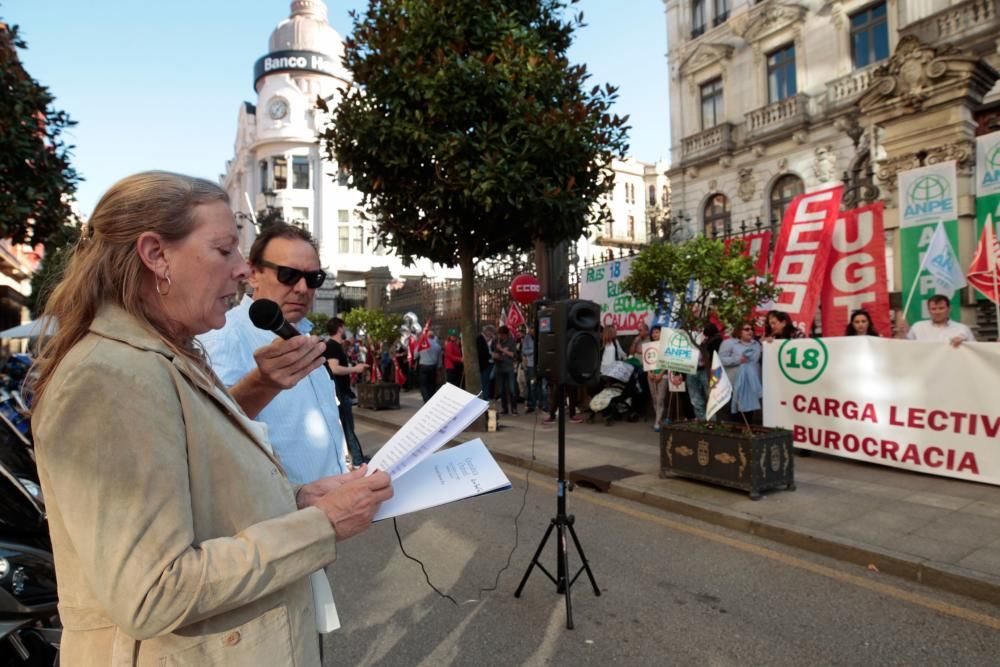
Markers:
716,215
785,189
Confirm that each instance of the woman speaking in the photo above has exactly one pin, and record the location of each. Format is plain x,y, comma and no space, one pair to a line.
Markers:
177,537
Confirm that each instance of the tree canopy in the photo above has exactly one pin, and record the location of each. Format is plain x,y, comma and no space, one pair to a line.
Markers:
36,178
704,277
468,131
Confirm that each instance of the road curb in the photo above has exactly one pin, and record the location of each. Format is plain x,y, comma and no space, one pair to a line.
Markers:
940,576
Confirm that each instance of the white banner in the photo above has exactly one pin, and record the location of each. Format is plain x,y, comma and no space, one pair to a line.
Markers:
988,164
922,406
602,285
674,351
927,195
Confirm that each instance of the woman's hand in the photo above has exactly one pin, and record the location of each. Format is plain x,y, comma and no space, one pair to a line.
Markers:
349,501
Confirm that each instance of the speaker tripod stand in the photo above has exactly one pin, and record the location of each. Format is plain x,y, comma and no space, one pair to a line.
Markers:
561,523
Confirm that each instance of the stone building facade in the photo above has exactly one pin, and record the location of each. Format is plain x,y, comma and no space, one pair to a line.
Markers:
772,98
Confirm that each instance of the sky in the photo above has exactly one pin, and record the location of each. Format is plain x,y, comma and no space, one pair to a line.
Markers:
157,84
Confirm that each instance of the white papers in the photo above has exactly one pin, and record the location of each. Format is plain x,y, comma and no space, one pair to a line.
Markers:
327,619
463,471
448,413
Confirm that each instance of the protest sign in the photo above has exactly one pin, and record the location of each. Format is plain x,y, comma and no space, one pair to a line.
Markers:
922,406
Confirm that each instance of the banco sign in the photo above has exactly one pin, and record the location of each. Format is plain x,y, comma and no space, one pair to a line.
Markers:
929,195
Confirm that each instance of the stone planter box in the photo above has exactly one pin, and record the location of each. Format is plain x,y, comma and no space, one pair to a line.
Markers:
726,454
378,395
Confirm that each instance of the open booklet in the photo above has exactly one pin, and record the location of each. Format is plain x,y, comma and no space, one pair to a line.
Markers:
446,476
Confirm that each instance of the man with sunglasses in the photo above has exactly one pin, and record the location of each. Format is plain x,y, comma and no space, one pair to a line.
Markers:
281,382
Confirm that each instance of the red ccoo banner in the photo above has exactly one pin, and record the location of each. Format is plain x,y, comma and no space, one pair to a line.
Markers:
856,278
756,245
801,255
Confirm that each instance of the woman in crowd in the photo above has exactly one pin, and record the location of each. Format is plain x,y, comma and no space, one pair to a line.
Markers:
644,336
453,365
177,537
657,384
611,349
779,326
860,324
741,358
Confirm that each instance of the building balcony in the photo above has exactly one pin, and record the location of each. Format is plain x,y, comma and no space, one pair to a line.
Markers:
711,143
782,117
972,23
843,92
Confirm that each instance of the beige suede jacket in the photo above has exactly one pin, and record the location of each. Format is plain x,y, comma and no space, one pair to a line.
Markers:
175,532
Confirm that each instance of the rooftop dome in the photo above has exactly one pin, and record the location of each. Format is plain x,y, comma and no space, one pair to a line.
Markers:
307,29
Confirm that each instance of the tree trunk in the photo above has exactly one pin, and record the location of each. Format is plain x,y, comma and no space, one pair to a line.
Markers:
470,356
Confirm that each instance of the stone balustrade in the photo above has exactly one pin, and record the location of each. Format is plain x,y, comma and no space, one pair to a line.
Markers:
847,89
781,116
714,141
971,18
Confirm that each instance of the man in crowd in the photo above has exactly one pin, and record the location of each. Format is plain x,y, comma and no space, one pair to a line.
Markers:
527,349
484,350
282,382
342,370
504,358
940,327
428,360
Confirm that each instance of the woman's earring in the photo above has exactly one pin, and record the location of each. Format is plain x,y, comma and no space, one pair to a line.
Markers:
160,281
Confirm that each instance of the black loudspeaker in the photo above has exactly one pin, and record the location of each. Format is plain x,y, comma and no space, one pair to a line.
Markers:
569,342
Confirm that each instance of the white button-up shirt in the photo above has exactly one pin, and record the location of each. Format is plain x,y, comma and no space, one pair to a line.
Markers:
303,422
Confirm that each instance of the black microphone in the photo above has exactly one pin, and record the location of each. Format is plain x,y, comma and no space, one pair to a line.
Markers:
266,314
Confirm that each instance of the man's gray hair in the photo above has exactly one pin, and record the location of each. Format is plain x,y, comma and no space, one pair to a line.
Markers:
489,328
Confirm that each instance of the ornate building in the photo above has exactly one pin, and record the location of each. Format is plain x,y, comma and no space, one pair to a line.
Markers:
639,202
772,98
277,161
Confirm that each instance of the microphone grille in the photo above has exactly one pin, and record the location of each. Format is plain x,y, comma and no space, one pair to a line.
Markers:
266,314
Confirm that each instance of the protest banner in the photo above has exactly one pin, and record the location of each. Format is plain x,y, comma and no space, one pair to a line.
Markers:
856,274
927,197
756,245
802,251
674,351
602,285
922,406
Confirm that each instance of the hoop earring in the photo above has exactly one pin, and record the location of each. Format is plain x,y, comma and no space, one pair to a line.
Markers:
166,279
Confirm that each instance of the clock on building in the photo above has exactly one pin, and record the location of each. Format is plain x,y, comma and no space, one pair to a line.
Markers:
278,108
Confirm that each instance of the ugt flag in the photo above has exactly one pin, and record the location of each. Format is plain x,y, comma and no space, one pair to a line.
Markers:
942,263
719,388
984,272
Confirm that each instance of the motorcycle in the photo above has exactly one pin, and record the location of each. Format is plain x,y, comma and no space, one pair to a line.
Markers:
30,631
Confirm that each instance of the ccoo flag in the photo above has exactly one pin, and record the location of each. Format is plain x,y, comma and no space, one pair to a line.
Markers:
942,263
984,272
720,390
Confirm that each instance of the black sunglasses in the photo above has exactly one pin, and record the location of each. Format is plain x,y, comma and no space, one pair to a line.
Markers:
289,276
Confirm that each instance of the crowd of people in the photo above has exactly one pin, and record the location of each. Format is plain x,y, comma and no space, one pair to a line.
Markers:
506,365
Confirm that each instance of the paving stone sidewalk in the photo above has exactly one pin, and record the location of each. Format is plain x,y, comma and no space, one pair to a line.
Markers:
942,532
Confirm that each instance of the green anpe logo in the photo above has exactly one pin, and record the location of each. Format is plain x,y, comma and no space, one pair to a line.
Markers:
802,361
928,188
929,195
993,157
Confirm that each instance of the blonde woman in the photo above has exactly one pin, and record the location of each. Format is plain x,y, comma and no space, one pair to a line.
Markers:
177,537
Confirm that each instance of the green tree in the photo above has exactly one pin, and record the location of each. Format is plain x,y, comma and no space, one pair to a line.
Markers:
378,326
36,179
319,321
704,277
469,132
50,270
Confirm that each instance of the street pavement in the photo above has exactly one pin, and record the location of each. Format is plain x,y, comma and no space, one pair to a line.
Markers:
940,532
673,591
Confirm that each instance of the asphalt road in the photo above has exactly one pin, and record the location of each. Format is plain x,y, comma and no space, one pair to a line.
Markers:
673,592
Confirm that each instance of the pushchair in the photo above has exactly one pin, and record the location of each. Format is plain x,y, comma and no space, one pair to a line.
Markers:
617,398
